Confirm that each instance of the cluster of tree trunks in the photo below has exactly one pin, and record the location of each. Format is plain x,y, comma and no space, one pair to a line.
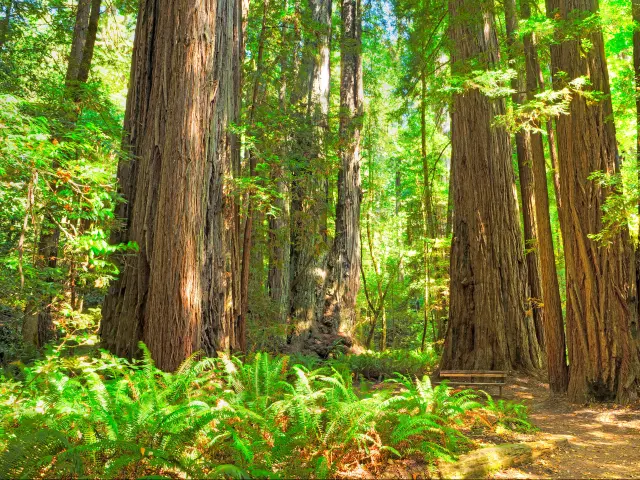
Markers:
488,327
543,284
186,288
601,312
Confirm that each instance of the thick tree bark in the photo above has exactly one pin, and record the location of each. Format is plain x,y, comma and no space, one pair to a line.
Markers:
555,343
308,193
223,329
488,328
343,277
523,153
602,320
176,294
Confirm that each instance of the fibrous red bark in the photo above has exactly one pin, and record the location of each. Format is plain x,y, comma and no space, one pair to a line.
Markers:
343,272
488,328
601,312
177,292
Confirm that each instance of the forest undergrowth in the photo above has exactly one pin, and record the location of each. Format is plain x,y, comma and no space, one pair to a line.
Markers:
78,411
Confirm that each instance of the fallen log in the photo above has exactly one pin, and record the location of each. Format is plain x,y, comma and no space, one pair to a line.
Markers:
484,461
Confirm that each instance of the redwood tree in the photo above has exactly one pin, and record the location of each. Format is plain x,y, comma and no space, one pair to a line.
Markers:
555,343
344,260
525,172
601,312
309,185
488,328
177,292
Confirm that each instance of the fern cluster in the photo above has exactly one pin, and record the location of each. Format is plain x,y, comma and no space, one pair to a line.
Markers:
81,416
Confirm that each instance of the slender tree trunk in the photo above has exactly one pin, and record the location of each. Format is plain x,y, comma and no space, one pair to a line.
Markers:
428,223
308,193
488,328
602,320
222,329
343,278
177,293
48,244
80,31
280,224
636,65
555,343
90,42
524,155
249,223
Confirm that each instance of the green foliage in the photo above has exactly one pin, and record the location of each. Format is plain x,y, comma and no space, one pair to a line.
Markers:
511,415
384,365
56,179
96,415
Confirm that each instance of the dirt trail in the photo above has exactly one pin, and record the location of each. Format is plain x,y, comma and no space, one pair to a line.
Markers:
604,440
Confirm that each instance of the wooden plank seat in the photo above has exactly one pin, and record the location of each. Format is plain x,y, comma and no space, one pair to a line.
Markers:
473,378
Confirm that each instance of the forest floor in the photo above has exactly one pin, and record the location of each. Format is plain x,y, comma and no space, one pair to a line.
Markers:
604,440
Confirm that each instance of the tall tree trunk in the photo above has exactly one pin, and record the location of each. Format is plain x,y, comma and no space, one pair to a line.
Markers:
279,237
40,317
177,293
601,312
636,66
428,221
488,328
343,277
308,193
555,343
249,228
223,330
524,155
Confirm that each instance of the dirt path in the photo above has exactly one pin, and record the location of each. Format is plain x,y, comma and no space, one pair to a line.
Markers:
604,440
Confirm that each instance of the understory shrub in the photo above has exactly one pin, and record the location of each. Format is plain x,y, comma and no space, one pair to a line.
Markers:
388,364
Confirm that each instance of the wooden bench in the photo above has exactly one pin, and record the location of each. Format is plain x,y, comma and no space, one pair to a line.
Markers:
484,378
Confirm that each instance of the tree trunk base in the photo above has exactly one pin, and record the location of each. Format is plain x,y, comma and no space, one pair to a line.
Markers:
482,462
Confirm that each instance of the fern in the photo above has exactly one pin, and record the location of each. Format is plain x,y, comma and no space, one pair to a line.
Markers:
266,416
